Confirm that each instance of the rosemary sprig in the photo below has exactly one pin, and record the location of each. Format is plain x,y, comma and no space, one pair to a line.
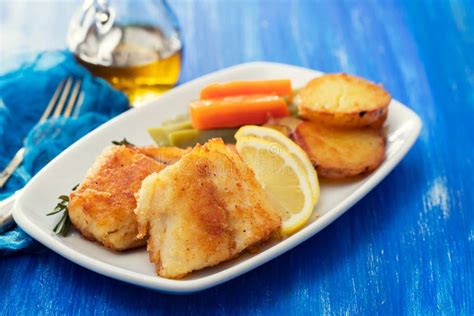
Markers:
64,225
122,142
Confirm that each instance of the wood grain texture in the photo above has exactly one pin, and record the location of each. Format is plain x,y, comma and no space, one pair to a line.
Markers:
406,248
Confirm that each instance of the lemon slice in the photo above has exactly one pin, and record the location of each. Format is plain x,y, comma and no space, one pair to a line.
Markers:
285,183
273,135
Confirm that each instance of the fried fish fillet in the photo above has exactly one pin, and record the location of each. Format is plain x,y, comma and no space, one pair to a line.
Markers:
101,208
166,155
206,208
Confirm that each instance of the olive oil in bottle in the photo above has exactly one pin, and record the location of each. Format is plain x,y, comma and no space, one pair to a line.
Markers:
142,60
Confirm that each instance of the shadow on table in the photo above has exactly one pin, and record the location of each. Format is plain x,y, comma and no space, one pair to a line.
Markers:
309,267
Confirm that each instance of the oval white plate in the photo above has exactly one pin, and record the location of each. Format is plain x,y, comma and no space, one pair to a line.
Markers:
69,168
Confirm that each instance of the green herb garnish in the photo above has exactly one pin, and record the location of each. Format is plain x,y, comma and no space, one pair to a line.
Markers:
122,142
64,225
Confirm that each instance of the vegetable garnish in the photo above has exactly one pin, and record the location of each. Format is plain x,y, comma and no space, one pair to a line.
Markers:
190,137
236,111
161,133
122,142
280,88
64,225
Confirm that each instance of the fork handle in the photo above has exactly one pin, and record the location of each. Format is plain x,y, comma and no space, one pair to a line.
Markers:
11,167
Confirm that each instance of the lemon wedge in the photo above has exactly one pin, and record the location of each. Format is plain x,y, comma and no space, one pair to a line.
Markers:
274,135
280,174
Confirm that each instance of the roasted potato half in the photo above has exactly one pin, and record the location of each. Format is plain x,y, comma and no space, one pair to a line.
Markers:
342,100
341,153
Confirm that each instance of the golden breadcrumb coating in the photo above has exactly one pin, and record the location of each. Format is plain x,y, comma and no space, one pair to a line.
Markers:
101,208
206,208
166,155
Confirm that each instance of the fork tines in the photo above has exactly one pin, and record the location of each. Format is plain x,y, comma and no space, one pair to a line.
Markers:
62,94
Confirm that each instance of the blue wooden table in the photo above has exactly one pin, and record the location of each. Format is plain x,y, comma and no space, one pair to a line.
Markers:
406,248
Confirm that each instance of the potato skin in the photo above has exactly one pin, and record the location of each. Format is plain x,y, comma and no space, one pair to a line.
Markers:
374,118
342,100
341,153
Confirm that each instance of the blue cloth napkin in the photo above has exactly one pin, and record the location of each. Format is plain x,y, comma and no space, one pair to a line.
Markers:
24,94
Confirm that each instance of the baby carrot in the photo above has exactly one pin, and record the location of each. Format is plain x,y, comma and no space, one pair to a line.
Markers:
236,111
281,87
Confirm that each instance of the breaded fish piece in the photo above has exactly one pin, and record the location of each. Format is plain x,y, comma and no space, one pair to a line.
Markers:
206,208
166,155
101,208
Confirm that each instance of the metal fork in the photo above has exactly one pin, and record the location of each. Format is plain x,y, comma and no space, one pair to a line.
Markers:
59,99
56,107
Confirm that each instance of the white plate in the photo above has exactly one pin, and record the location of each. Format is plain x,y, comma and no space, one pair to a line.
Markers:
69,168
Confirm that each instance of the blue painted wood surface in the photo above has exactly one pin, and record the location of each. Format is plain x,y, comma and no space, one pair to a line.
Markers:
406,248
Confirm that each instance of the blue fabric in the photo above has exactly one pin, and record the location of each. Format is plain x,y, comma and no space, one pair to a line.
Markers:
24,94
15,241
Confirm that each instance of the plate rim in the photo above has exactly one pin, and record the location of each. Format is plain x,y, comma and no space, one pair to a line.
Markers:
194,285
